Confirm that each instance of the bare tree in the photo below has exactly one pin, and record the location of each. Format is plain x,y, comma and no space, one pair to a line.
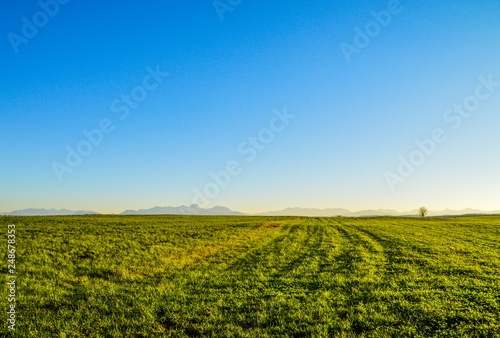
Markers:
422,211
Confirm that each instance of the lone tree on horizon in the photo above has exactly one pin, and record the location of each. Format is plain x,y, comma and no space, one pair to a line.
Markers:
422,211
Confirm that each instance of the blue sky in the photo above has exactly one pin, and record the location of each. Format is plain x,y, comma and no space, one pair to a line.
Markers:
354,122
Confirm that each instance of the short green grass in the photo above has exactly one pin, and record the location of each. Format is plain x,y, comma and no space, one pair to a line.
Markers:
186,276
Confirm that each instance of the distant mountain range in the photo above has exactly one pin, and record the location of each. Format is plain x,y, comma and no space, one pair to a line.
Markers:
47,212
195,209
378,212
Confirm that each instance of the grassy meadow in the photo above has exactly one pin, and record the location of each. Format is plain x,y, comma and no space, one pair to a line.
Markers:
239,276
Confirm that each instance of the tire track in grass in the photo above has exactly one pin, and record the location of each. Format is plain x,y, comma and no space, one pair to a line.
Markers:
400,251
225,290
195,260
268,284
297,287
360,271
208,254
317,250
395,289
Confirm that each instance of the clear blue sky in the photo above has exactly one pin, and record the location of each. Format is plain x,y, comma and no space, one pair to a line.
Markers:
353,120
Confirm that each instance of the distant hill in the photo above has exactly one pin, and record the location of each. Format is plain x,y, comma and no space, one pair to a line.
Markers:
194,209
48,212
307,212
364,213
312,212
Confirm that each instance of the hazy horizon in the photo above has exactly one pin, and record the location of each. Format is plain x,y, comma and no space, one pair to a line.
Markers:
255,106
414,210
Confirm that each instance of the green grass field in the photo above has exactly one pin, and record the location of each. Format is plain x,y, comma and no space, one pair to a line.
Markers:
184,276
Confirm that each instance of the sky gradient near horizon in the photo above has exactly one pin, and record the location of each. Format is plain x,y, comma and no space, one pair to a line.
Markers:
231,83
